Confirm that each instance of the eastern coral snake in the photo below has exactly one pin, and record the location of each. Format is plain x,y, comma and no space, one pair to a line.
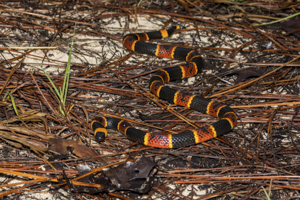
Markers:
227,117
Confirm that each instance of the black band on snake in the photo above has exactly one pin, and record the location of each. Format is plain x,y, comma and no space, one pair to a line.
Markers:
227,117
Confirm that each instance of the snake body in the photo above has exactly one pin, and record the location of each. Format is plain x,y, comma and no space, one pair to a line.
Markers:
227,117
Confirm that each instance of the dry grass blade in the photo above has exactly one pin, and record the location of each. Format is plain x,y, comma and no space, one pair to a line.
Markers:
10,75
